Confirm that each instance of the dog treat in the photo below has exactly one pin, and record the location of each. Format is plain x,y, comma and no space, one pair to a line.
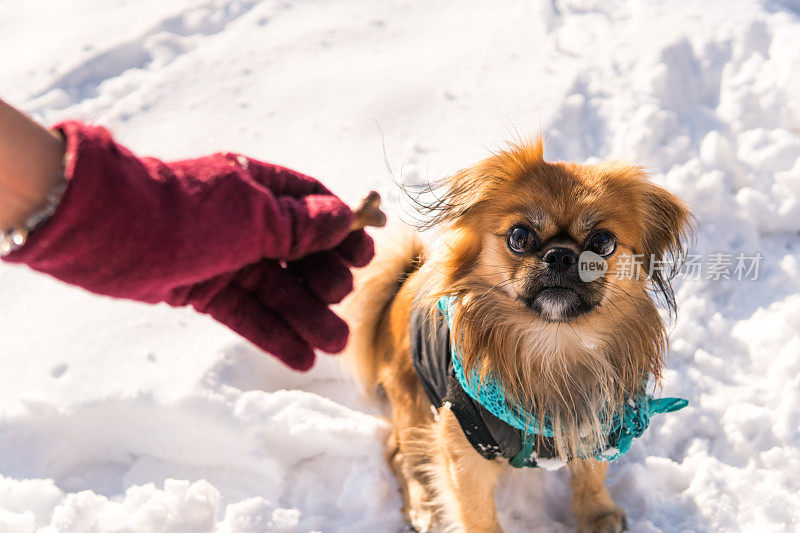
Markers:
369,213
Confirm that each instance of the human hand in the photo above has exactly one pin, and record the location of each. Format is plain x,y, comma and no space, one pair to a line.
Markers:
261,248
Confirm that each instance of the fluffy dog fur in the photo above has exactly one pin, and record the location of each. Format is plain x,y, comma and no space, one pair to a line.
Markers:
578,366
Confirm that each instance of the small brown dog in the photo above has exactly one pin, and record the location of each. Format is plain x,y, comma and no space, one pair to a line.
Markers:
564,349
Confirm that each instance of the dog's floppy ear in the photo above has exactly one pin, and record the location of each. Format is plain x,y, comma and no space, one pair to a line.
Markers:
463,245
667,225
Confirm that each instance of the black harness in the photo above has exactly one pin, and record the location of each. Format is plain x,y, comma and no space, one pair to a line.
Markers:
432,360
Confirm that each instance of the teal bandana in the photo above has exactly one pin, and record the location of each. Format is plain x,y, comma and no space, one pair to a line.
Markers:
489,393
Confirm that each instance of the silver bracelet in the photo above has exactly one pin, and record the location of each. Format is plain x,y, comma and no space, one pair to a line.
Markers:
14,238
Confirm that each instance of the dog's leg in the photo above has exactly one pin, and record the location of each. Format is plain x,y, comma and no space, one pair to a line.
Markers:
592,505
403,455
465,481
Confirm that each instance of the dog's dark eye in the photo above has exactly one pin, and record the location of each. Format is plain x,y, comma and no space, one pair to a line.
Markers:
602,243
520,239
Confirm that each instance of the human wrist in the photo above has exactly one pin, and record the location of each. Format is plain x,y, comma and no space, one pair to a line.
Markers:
14,208
31,162
29,197
15,235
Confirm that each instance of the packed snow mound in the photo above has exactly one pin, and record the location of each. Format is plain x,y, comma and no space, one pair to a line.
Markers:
122,417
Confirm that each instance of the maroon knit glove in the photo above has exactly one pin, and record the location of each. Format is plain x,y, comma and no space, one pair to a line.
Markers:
261,248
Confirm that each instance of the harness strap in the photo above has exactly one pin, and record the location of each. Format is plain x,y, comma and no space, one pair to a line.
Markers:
488,435
469,418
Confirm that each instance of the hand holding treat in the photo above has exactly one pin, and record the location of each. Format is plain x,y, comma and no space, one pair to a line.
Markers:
261,248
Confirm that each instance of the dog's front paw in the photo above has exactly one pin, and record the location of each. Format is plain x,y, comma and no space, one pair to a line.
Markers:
612,521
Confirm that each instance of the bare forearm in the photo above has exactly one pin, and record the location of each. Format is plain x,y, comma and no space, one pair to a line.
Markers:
30,163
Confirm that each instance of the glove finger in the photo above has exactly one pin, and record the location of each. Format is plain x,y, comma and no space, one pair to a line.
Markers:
241,311
315,223
357,249
283,292
325,274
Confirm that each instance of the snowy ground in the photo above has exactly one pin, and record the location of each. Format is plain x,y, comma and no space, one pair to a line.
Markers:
116,416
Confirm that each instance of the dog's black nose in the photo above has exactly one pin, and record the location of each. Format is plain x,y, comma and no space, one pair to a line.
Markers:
560,259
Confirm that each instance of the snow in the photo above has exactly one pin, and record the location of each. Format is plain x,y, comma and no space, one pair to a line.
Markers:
116,416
